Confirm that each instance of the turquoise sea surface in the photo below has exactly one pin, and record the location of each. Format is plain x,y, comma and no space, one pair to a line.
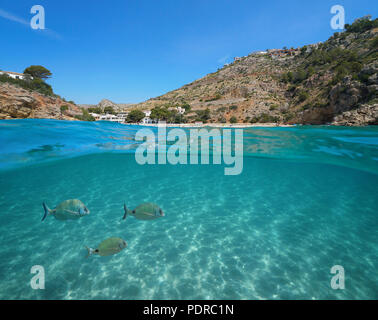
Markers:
306,200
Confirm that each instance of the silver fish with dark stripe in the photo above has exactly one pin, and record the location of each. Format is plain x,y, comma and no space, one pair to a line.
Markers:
145,211
67,210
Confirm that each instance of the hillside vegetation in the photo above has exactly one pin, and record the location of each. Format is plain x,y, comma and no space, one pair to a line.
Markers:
331,82
32,97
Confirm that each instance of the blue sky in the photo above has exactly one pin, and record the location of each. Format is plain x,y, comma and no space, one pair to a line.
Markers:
132,50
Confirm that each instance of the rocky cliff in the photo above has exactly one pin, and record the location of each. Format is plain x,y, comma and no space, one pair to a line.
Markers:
16,102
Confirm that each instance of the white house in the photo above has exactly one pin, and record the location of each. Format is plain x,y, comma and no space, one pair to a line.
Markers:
95,115
120,117
180,110
16,75
146,119
108,117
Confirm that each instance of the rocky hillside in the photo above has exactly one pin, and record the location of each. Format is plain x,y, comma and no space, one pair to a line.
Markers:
16,102
118,107
332,82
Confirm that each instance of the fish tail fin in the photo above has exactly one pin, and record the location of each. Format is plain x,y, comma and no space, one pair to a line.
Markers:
47,211
126,211
90,251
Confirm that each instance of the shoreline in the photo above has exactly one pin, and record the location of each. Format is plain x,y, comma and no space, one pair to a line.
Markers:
213,125
203,125
182,125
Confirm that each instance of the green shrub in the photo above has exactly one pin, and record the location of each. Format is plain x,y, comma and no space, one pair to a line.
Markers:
287,77
233,120
109,110
85,116
164,114
254,120
95,110
63,108
288,117
300,76
320,105
36,84
374,43
203,115
303,95
39,72
217,97
233,107
361,25
363,77
186,106
135,116
265,118
345,68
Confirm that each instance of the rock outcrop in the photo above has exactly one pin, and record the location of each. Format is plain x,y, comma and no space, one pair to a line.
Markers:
118,107
364,115
107,103
16,102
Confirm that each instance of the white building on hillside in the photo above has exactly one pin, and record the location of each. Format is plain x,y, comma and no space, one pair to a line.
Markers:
146,119
180,110
120,117
108,117
95,115
16,75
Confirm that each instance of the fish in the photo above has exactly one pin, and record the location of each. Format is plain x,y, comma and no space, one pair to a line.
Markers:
108,247
67,210
145,211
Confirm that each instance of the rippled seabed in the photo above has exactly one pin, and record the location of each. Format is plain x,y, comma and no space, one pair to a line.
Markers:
307,200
